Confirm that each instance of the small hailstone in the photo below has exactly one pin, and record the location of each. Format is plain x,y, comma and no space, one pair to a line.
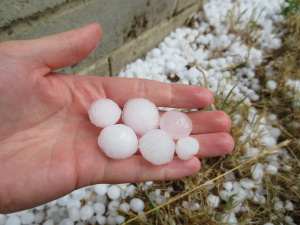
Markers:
213,201
130,190
167,194
74,214
99,208
3,219
229,218
66,221
157,147
287,168
271,169
104,112
278,205
63,200
48,222
271,84
114,192
185,204
77,194
160,200
140,213
157,192
101,198
149,183
101,189
101,219
176,124
111,206
125,207
227,185
251,152
111,220
288,219
141,115
170,65
27,218
247,183
177,211
86,212
13,220
268,224
118,141
137,204
289,206
257,171
38,217
187,147
120,219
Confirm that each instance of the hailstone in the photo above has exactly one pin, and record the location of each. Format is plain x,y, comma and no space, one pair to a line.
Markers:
176,124
118,141
137,204
187,147
157,147
104,112
141,115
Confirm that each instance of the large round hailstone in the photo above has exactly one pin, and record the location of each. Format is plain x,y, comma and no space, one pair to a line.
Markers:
187,147
137,204
141,115
176,124
118,141
104,112
114,192
157,147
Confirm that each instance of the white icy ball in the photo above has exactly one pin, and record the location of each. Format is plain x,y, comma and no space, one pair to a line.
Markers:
157,147
137,204
74,214
187,147
101,219
104,112
118,141
66,221
176,124
86,212
99,208
101,189
13,220
141,115
114,192
125,207
27,218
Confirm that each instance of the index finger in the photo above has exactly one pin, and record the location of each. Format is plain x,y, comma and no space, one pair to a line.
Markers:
161,94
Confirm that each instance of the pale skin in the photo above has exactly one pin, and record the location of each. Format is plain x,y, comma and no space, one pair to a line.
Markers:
48,147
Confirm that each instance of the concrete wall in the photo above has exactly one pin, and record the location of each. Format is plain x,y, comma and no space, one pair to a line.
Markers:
126,24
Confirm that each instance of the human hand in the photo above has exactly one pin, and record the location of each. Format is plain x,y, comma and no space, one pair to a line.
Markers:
48,147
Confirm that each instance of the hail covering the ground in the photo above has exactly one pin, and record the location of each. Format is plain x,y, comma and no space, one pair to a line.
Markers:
202,55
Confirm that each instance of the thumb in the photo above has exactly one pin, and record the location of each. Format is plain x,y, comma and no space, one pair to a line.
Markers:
59,50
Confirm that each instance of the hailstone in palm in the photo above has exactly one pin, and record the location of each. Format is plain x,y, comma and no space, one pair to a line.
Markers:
118,141
104,112
141,115
176,124
187,147
157,147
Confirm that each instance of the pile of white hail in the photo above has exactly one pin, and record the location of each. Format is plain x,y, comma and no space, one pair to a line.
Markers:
196,47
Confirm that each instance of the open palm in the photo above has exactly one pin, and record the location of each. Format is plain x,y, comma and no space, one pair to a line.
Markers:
48,147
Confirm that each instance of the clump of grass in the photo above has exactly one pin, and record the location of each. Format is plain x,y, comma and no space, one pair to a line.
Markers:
292,8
